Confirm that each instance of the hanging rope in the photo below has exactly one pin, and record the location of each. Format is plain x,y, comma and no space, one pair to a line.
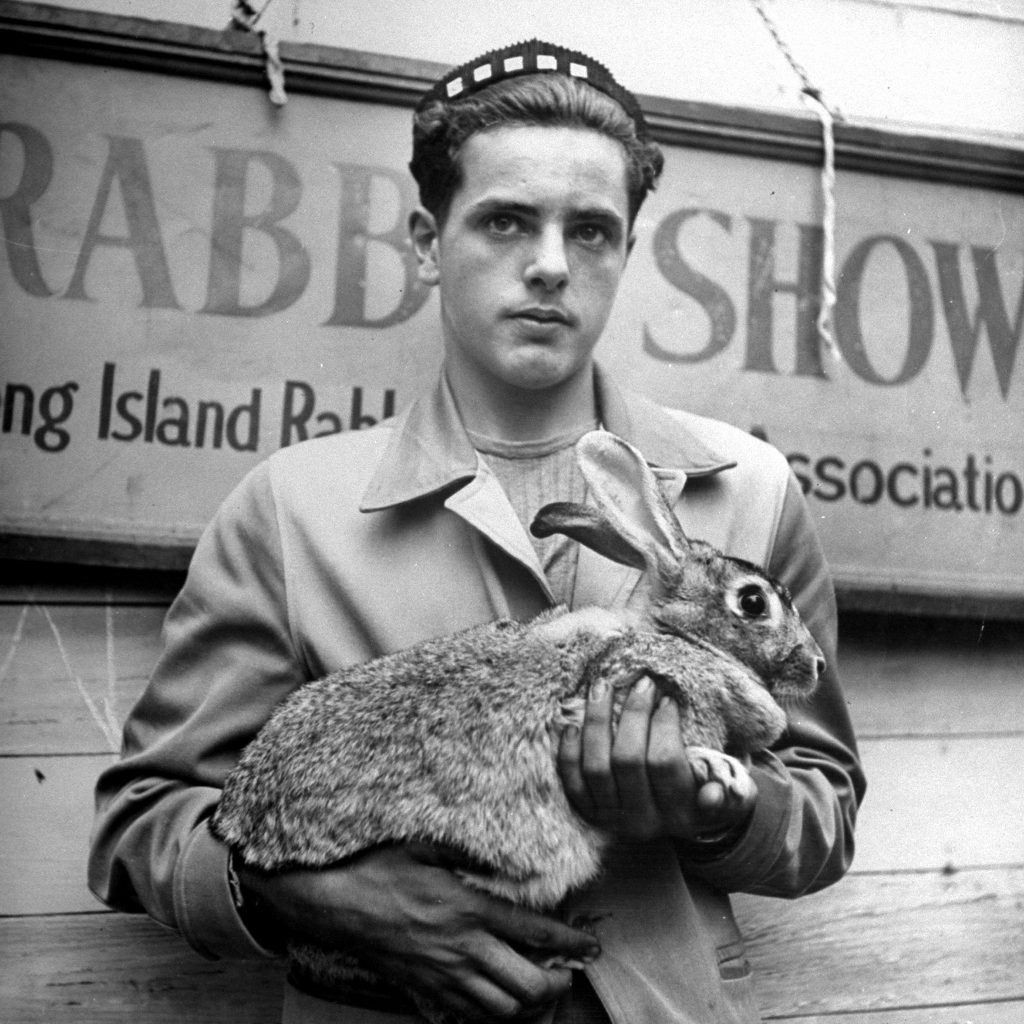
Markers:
812,96
828,219
244,15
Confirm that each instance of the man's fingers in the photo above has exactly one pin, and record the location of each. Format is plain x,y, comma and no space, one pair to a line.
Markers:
630,751
525,929
570,771
484,994
596,750
501,982
486,972
634,723
463,1007
672,780
665,750
508,983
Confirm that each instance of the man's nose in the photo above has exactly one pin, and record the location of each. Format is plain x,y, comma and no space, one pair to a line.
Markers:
548,264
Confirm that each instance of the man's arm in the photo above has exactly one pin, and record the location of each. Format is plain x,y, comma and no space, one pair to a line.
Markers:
410,918
227,661
791,830
229,658
801,835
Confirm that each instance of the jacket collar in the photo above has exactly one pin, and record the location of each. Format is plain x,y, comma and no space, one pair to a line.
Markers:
429,452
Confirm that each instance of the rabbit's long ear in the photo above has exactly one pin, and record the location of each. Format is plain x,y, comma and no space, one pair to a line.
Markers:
629,501
588,526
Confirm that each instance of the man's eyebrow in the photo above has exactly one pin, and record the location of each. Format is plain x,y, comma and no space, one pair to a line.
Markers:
604,213
495,204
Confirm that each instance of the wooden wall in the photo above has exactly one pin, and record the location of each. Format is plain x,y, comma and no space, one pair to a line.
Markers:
928,929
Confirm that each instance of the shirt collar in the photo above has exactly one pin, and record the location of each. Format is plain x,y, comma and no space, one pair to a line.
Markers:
429,452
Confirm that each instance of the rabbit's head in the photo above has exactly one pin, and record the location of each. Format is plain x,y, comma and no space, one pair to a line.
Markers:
689,587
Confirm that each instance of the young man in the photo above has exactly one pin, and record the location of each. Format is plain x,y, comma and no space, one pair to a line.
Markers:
532,164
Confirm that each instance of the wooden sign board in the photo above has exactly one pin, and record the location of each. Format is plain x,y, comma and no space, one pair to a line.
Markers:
191,278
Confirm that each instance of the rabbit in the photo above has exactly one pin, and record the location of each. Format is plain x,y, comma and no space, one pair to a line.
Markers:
453,741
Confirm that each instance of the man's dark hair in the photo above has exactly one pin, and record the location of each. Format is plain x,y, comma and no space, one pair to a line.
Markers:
441,128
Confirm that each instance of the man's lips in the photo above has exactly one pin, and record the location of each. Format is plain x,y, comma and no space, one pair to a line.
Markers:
542,315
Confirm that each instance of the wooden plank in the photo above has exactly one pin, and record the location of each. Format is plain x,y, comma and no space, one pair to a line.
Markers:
933,803
905,676
62,582
96,547
982,699
915,947
111,968
965,1013
46,805
889,942
920,680
70,674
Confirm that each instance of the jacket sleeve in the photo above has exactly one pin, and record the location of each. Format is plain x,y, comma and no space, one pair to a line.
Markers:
801,836
228,659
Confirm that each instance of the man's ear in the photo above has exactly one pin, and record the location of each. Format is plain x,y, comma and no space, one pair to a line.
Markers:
423,231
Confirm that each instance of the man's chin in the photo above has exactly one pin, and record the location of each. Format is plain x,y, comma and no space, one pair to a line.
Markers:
543,371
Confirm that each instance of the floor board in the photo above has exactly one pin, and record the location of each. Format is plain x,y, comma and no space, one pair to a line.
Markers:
902,949
939,706
882,943
931,805
971,1013
70,674
938,802
111,968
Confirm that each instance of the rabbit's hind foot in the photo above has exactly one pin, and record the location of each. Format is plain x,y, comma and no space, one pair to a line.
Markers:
594,622
716,767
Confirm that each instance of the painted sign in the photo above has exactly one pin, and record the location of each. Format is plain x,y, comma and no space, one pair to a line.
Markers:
191,278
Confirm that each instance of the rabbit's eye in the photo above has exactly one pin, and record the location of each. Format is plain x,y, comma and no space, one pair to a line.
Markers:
753,602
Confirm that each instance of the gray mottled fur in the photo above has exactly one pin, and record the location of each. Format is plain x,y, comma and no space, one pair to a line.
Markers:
450,742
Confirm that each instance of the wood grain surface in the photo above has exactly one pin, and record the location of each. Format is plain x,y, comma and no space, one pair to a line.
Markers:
925,930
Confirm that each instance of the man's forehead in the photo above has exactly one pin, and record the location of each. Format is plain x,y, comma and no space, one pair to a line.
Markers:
529,164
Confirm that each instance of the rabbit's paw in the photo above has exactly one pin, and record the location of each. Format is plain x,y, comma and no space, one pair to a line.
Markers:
712,767
595,622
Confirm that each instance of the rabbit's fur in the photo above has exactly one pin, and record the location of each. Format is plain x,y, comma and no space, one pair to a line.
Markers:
449,742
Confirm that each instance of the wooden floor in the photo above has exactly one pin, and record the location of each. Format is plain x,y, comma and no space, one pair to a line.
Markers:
928,929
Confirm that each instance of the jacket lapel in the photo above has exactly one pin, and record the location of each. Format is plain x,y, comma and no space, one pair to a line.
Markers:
483,505
429,454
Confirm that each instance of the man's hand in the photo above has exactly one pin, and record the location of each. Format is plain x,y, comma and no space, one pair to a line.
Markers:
408,916
643,783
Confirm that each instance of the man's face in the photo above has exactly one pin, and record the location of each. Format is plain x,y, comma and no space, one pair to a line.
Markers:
530,254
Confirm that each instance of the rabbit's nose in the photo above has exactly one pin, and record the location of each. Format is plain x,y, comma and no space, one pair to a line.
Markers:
819,668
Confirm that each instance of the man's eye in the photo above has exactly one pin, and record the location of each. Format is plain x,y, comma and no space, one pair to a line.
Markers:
591,234
503,224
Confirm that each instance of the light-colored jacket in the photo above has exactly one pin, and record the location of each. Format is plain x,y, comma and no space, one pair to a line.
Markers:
348,547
